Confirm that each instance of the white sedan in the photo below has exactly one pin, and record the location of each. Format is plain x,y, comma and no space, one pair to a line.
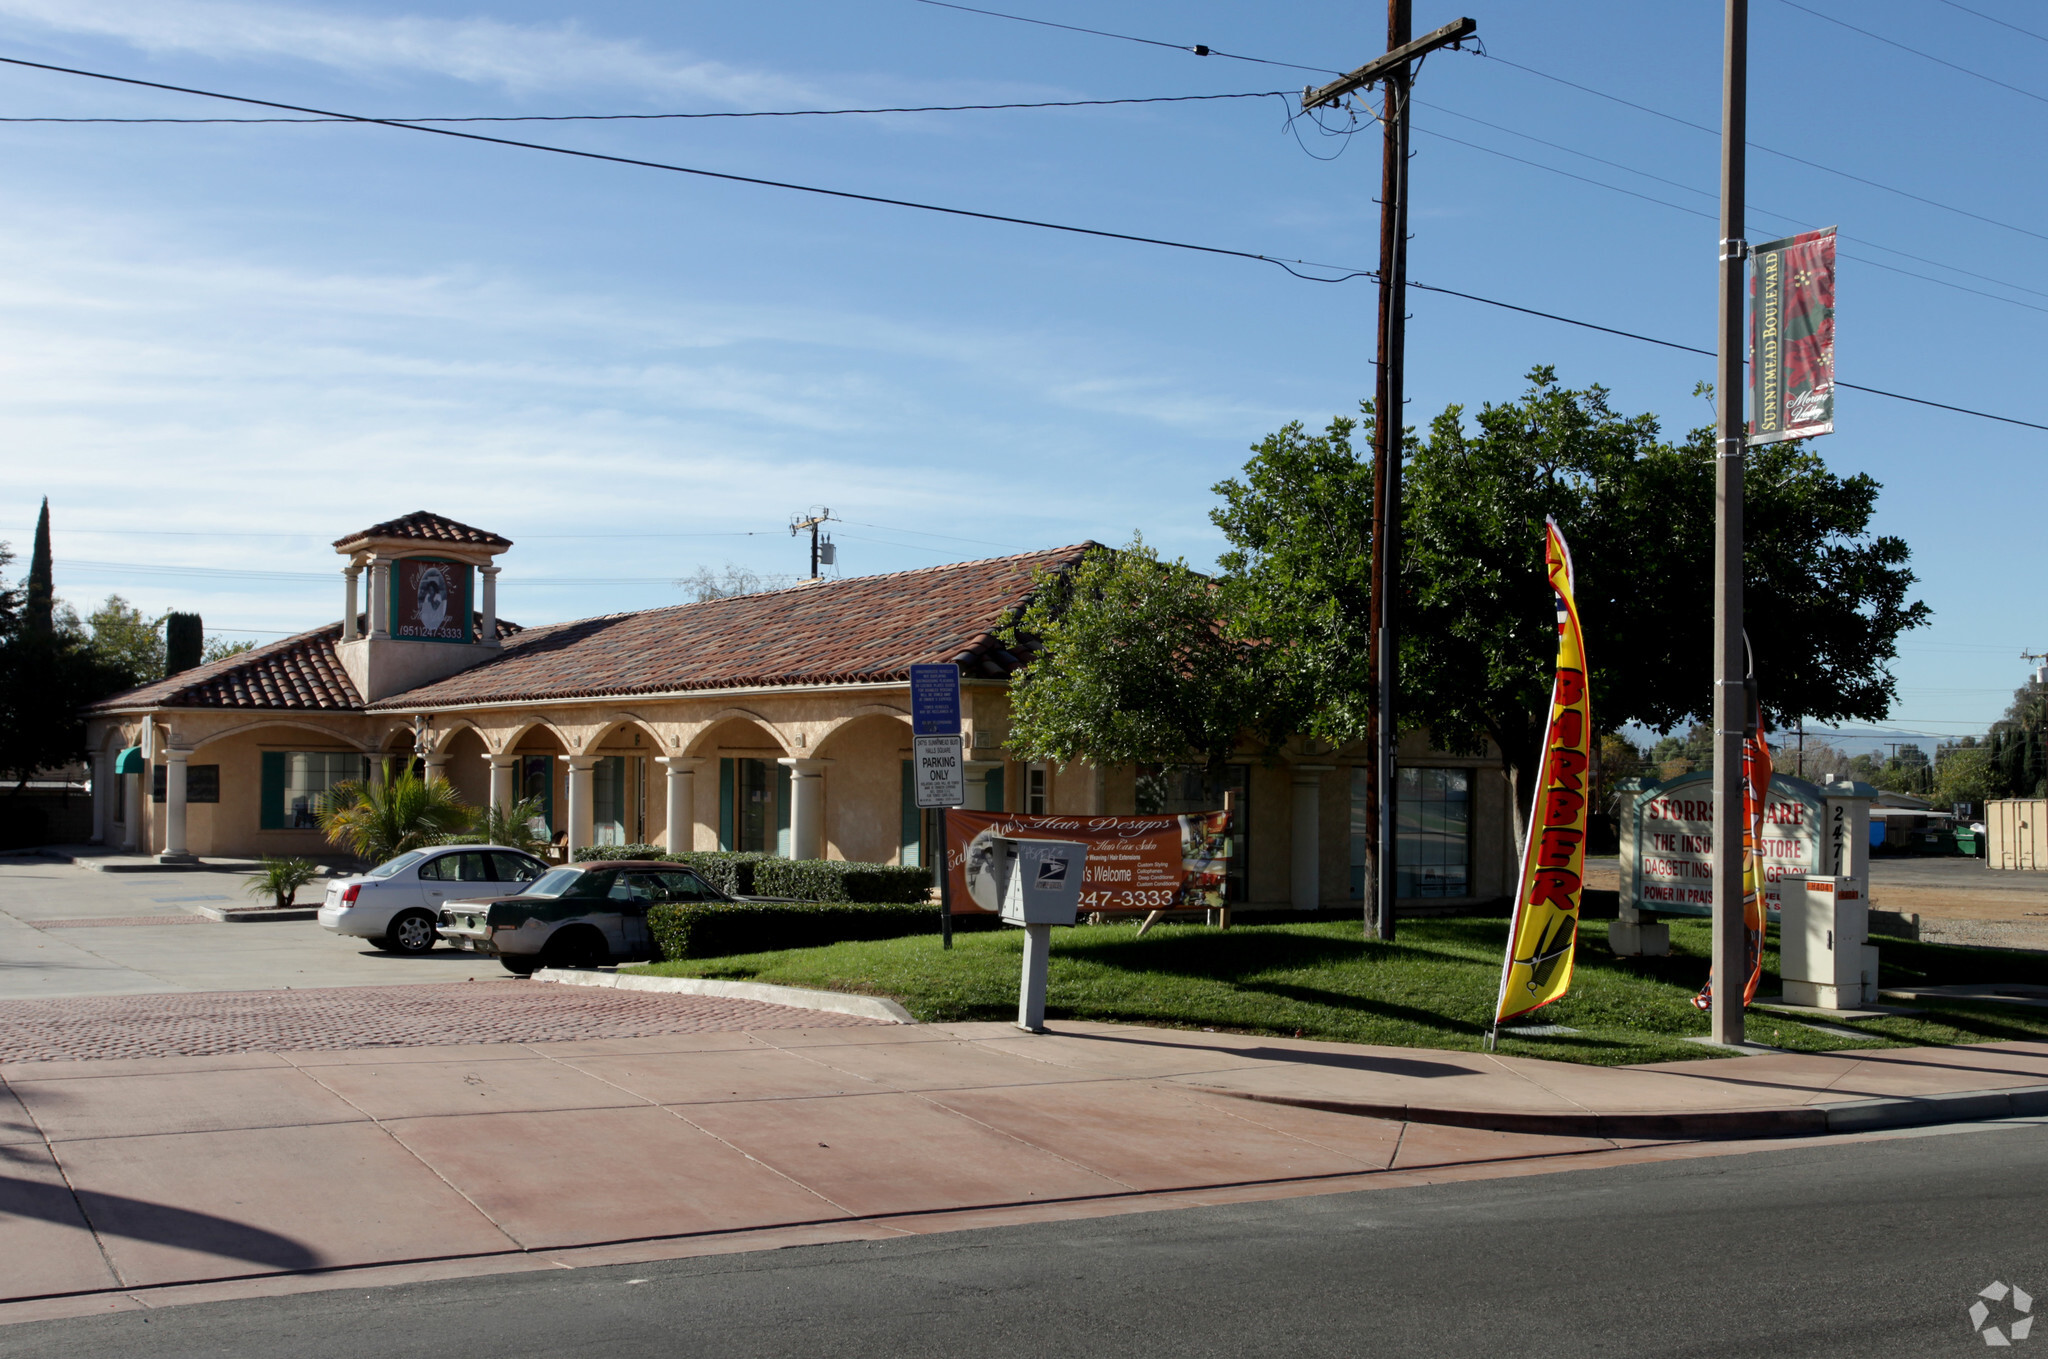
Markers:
397,904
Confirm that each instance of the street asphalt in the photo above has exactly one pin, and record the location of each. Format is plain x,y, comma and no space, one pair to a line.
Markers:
1872,1249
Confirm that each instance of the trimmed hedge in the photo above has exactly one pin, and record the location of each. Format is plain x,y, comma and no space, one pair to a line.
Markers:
621,852
717,929
841,880
731,871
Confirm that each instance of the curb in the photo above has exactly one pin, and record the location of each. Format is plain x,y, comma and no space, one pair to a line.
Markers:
1812,1120
797,997
243,915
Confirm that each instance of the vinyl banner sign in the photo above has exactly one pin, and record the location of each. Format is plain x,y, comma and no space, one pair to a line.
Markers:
430,600
1135,863
1792,337
1545,927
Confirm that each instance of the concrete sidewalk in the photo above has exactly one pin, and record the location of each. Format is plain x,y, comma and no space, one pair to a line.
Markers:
149,1182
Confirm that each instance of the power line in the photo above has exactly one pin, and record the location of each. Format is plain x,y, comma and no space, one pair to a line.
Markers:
1199,49
713,174
1704,193
1701,212
2000,22
1769,150
1926,56
662,117
967,212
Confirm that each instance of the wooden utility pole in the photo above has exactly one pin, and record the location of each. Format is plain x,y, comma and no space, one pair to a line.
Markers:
797,526
1393,70
1730,973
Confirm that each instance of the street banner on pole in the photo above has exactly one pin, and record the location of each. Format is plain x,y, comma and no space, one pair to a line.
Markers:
1792,337
1756,780
1135,863
1538,968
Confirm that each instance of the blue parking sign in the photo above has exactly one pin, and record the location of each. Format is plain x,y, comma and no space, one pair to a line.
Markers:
935,700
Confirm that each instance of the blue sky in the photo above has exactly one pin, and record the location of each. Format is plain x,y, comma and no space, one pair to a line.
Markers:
223,346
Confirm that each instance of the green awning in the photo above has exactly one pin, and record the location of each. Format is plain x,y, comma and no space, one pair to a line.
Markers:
130,761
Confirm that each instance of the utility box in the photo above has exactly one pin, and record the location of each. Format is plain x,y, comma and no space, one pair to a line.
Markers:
1038,882
1824,958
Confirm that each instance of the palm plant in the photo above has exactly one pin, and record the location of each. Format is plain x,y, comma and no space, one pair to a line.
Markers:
280,880
380,822
513,827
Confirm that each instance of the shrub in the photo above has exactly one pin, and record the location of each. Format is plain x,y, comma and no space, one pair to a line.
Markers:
731,871
841,880
280,880
589,852
716,929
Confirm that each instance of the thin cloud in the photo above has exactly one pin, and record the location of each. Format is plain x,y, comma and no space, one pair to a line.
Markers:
518,58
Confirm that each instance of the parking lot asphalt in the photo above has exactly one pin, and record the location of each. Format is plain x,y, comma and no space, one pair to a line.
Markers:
68,931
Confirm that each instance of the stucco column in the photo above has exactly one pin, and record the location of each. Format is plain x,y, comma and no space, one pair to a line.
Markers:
437,765
1305,869
806,807
582,828
131,812
380,599
102,799
348,606
682,801
379,766
504,792
974,773
175,850
490,632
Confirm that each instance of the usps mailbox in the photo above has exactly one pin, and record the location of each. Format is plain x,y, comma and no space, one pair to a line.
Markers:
1038,883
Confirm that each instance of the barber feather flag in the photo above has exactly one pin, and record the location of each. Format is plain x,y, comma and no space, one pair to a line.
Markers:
1756,786
1538,969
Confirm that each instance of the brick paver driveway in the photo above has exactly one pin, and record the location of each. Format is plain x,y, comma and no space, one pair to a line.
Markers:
89,1028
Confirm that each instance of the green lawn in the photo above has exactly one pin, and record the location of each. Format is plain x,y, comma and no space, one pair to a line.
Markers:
1434,987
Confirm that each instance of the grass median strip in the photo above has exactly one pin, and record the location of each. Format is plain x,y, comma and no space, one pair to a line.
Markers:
1433,987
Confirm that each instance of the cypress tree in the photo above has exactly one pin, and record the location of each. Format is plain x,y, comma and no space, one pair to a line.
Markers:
37,610
184,642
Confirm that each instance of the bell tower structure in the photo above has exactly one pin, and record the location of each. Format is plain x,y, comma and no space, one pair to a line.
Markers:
431,604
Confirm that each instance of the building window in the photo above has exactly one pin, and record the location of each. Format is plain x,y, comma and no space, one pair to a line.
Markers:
753,806
202,783
1432,833
1036,803
608,800
537,783
295,781
1183,790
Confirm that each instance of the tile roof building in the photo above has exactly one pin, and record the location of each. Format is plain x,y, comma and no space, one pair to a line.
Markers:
776,721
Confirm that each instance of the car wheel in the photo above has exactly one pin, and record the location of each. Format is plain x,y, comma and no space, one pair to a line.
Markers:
578,946
411,933
521,966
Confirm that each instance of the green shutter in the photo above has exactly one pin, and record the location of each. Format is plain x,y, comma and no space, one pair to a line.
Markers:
913,823
994,802
725,803
782,845
270,811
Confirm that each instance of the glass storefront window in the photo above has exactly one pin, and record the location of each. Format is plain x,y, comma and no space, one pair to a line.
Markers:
307,776
1433,833
1182,790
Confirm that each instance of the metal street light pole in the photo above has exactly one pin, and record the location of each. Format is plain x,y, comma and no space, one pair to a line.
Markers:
1730,975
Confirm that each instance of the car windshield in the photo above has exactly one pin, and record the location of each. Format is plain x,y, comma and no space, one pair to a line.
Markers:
390,866
554,883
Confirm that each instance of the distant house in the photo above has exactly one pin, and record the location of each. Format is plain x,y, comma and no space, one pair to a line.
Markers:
776,722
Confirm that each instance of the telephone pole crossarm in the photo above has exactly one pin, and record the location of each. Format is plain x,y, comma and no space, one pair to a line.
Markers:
1377,69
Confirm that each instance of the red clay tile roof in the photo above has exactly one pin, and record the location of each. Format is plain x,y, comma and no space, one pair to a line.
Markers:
864,628
302,673
427,527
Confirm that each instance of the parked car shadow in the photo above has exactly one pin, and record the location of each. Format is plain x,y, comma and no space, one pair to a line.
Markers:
160,1223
